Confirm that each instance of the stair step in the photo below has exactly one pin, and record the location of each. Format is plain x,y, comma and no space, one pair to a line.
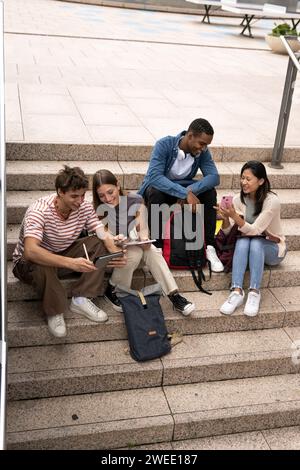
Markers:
291,229
68,369
152,415
280,307
121,152
34,176
268,439
285,274
42,152
19,201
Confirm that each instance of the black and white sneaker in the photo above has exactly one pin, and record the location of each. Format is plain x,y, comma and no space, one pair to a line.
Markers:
181,304
110,296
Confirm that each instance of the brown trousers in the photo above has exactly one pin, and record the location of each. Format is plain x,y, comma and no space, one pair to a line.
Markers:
45,279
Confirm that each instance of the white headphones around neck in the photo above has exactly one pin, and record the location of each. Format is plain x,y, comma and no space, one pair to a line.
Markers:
180,154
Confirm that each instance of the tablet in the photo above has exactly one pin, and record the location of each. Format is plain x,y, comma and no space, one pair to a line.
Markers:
101,261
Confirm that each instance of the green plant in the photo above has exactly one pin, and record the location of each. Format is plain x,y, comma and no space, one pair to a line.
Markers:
284,29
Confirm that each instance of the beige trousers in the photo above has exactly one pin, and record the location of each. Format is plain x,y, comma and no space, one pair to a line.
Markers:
156,263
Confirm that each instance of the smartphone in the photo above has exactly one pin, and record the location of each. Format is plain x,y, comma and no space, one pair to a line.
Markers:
226,202
101,261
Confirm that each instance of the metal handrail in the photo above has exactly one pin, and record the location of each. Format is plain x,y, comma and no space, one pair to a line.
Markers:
294,56
286,103
3,275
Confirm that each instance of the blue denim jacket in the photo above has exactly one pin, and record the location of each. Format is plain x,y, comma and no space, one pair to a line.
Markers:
162,159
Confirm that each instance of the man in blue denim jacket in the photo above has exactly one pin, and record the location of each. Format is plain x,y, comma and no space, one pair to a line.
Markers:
174,163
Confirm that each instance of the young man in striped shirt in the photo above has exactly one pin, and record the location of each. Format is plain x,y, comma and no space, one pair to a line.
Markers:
49,245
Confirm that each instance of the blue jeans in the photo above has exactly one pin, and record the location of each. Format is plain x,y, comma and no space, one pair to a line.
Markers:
256,252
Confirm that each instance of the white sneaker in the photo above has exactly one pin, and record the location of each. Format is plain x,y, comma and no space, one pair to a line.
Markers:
57,326
234,301
252,305
88,309
211,255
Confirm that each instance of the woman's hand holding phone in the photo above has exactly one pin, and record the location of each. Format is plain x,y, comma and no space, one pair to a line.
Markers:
226,202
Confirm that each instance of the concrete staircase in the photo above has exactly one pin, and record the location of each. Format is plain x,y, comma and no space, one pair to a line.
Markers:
231,383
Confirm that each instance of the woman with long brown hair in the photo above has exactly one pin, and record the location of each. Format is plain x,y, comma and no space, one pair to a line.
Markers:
125,216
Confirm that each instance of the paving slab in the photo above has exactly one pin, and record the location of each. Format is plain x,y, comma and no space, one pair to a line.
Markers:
237,406
263,403
78,368
286,274
253,391
106,435
283,438
134,64
274,439
91,408
98,421
239,441
289,298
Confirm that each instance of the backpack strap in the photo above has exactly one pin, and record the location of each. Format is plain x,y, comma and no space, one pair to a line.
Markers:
198,280
142,299
198,274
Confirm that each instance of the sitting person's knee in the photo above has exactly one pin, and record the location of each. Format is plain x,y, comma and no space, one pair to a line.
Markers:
208,197
154,196
256,245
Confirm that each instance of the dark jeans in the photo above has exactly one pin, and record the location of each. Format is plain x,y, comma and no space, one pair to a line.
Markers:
208,199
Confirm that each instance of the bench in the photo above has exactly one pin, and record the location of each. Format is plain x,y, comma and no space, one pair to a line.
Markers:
268,11
217,4
283,9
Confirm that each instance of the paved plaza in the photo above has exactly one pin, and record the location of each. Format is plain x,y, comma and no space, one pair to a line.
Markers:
89,74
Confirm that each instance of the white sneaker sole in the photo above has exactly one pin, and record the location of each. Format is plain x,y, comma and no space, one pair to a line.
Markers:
76,309
115,307
187,311
56,334
217,270
250,314
230,313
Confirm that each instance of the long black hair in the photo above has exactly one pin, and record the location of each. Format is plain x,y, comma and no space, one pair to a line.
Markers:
259,170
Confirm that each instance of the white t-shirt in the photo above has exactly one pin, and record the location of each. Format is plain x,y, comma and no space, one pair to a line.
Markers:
182,166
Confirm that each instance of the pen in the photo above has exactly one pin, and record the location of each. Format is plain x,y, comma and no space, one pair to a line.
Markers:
86,253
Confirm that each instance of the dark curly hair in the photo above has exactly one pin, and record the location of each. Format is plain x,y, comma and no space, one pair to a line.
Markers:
71,178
